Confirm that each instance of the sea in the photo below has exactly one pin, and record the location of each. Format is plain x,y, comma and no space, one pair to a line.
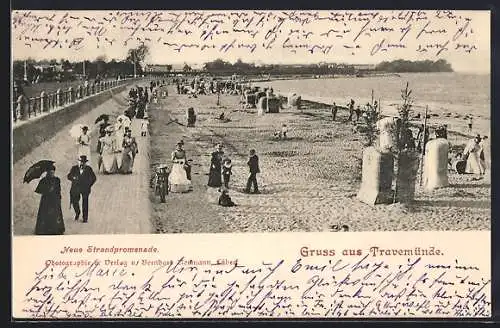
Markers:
454,93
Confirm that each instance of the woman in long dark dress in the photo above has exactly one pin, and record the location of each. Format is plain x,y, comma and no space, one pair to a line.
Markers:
49,220
215,174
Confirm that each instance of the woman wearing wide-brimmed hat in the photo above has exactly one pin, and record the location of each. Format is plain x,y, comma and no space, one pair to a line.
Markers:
49,220
128,152
108,149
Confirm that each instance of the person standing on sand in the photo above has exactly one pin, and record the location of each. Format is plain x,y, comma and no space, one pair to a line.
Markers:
358,113
215,174
334,111
484,153
470,124
253,165
351,109
180,154
472,153
227,172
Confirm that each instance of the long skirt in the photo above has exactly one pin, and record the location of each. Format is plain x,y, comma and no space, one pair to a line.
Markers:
109,164
49,220
127,162
435,173
178,180
474,165
119,160
215,178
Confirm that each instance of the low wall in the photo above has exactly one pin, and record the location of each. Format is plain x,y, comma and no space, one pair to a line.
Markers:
31,134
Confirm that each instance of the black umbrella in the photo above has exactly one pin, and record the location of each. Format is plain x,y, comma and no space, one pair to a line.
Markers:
36,170
102,117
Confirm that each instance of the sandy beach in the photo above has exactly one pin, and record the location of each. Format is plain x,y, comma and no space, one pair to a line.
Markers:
308,182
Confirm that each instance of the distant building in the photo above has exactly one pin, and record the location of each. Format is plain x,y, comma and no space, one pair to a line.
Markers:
46,68
364,67
158,68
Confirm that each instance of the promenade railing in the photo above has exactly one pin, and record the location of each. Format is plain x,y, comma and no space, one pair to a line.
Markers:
24,108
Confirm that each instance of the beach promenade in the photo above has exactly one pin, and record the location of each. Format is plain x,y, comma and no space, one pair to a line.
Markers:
118,203
308,182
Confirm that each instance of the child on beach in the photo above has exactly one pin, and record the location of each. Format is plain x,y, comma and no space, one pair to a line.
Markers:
226,172
225,200
284,131
358,113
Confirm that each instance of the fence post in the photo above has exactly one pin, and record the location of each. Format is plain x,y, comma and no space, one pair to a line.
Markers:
43,102
70,94
58,97
21,111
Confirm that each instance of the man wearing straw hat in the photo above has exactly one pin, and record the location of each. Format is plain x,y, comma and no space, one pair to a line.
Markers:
82,179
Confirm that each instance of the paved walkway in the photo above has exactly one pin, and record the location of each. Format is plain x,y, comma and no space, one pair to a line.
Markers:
118,204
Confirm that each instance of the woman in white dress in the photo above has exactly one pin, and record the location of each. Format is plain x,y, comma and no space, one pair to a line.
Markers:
473,152
119,134
83,141
108,149
178,178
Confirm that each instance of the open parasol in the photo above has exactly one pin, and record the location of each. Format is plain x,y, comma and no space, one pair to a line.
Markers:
36,170
76,130
102,117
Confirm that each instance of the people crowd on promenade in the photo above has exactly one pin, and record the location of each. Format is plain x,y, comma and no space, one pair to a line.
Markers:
116,150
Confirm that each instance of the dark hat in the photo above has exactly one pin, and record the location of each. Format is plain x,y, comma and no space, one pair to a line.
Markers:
83,158
85,127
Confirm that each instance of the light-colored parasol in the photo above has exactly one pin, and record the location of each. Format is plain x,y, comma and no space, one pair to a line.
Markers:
76,130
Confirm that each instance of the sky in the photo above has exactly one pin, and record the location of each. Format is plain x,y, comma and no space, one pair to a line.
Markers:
342,38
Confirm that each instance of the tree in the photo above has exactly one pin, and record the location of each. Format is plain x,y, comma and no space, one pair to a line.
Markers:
101,66
138,55
401,66
187,68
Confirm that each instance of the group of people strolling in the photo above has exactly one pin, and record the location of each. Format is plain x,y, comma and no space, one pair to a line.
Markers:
117,152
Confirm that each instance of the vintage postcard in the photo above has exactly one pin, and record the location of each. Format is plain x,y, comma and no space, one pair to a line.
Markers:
251,164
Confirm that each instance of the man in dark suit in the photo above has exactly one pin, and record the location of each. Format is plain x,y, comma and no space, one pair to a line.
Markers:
253,165
82,179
